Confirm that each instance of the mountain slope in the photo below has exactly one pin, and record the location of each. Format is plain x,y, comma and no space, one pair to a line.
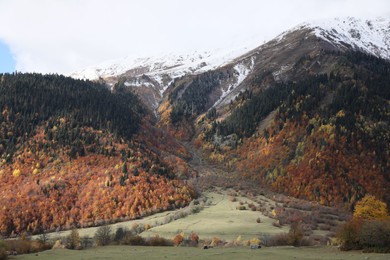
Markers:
72,155
309,107
311,112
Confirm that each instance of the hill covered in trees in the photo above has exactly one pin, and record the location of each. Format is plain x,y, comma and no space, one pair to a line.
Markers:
72,155
323,137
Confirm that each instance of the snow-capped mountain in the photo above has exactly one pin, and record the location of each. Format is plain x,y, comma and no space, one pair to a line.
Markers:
370,36
175,65
150,77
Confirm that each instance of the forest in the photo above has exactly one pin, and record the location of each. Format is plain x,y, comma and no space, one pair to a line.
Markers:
72,156
329,138
191,98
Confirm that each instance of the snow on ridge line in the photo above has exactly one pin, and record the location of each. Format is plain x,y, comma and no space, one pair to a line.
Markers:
371,36
173,64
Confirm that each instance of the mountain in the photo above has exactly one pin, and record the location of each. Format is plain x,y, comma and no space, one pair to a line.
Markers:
306,114
309,117
150,77
75,154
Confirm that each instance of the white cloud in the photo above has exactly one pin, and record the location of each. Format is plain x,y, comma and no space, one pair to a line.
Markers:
66,35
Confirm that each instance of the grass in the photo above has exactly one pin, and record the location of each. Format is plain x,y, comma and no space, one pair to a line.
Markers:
220,219
137,252
90,232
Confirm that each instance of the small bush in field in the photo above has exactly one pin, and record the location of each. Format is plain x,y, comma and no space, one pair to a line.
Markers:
279,240
276,224
233,199
24,246
103,236
159,241
295,234
147,226
133,240
216,241
119,234
294,237
73,240
178,239
348,235
258,220
369,235
193,239
241,207
375,234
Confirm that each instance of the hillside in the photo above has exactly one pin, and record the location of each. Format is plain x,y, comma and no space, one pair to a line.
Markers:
72,156
328,139
310,107
309,117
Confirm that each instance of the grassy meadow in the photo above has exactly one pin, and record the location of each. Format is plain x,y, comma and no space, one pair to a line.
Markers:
138,252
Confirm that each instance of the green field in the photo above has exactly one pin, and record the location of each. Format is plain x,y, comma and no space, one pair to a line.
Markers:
221,219
137,252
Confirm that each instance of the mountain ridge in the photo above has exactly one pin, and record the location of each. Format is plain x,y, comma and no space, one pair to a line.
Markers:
150,77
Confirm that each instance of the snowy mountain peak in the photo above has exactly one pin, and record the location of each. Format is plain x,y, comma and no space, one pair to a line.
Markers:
150,77
370,36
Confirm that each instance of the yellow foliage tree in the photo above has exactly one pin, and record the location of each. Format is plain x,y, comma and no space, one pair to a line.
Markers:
370,208
16,173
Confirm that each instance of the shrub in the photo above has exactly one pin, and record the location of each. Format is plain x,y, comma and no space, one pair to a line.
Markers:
159,241
193,239
279,240
370,208
73,241
295,234
178,239
233,199
24,246
370,235
103,235
86,242
277,224
258,220
43,238
295,237
216,241
133,240
348,235
375,236
3,251
119,234
255,241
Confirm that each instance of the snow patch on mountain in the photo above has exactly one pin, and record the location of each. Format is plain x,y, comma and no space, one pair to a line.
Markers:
241,72
370,36
172,65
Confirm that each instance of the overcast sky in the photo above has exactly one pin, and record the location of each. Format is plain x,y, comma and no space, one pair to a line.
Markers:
60,36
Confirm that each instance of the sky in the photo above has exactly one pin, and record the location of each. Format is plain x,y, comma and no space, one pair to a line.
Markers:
62,36
7,62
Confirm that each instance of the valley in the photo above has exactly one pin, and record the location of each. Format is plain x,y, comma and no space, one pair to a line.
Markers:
278,144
